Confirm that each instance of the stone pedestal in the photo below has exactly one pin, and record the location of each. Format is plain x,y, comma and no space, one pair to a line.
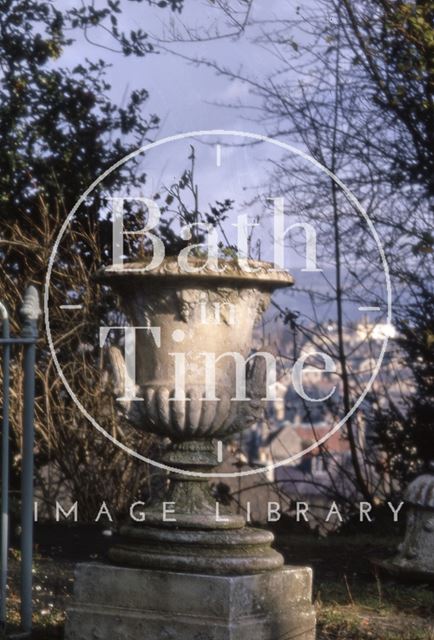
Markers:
123,603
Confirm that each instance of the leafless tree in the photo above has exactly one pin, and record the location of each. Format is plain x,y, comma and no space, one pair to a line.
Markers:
352,83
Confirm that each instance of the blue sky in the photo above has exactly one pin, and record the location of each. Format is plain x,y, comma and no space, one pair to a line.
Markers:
188,96
183,94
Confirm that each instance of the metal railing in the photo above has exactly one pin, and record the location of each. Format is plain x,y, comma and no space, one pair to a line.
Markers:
29,312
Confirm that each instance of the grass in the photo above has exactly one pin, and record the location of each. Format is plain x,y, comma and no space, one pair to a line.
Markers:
353,600
355,623
381,610
52,587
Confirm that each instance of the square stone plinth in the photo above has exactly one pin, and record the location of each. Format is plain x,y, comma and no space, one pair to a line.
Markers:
120,603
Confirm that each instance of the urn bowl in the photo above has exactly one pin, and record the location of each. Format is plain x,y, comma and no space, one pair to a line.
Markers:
191,369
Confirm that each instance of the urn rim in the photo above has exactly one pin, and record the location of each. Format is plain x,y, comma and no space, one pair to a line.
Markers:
264,274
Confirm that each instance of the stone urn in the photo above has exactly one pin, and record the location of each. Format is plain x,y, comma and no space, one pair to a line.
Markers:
415,558
200,574
195,385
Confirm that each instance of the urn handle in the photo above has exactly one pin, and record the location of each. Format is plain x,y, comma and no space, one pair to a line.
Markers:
130,409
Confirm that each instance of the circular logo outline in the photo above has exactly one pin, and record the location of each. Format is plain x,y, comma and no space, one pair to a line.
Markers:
217,132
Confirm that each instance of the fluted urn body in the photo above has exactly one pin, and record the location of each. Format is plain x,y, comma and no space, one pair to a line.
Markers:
188,376
192,341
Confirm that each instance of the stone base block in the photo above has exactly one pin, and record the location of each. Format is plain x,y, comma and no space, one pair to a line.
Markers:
122,603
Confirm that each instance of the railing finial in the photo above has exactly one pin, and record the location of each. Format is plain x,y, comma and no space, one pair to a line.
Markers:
3,312
30,311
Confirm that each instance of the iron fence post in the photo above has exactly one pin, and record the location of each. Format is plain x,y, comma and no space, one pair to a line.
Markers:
5,468
30,312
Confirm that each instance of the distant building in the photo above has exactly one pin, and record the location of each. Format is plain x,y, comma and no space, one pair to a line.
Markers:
293,425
